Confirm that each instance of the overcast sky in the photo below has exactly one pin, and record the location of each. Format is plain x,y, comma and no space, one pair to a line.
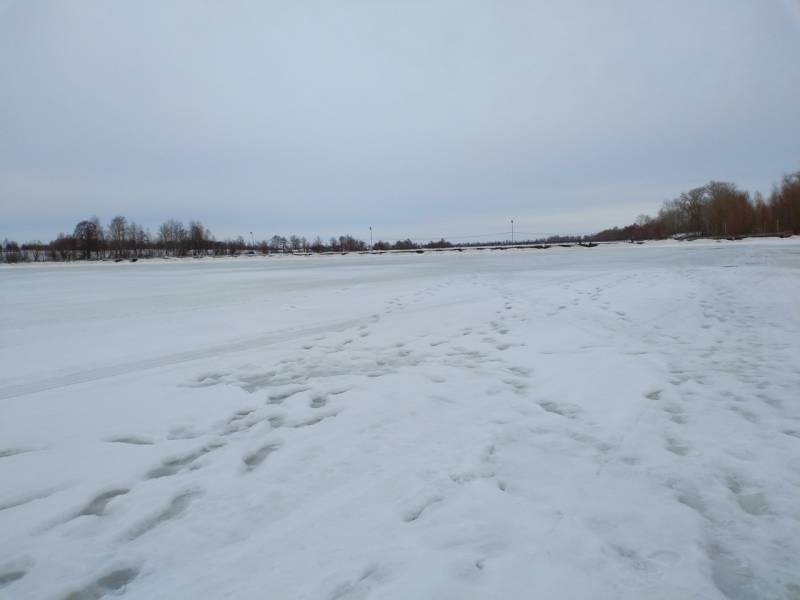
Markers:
418,118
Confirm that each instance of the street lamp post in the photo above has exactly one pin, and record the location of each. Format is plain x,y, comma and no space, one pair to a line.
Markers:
370,237
512,232
252,241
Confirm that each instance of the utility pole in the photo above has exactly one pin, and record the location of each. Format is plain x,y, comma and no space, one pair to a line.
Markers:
512,232
252,241
370,238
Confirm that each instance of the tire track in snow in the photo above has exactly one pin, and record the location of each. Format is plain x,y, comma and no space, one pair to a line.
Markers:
165,360
105,372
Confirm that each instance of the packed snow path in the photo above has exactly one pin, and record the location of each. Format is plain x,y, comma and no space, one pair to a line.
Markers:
615,422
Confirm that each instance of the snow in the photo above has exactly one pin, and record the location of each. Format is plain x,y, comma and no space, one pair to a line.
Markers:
614,422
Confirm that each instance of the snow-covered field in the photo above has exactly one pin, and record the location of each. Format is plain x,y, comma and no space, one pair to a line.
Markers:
615,422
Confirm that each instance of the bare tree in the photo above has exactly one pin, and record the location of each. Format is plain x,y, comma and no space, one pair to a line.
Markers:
117,233
172,237
692,204
88,236
138,239
784,203
317,245
198,237
34,249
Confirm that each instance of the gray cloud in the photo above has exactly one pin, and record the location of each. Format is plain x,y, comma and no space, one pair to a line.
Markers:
426,118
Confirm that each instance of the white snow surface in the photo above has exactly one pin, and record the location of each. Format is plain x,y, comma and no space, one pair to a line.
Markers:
614,422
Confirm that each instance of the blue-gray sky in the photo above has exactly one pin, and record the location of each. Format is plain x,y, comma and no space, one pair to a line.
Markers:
418,118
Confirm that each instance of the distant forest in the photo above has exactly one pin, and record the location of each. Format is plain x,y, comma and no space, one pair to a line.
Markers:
718,209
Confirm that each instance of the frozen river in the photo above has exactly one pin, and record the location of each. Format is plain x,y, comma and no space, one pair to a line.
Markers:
614,422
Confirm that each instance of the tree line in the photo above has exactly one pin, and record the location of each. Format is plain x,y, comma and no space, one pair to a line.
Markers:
719,209
123,239
120,239
714,210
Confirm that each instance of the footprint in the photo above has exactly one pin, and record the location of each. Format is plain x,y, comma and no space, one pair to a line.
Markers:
13,452
9,577
172,466
175,508
237,426
209,379
570,412
415,513
677,447
355,589
114,582
744,413
182,433
731,575
318,401
280,396
254,459
520,371
753,504
133,440
519,387
313,421
239,415
376,374
676,413
237,422
695,501
253,383
276,421
98,504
